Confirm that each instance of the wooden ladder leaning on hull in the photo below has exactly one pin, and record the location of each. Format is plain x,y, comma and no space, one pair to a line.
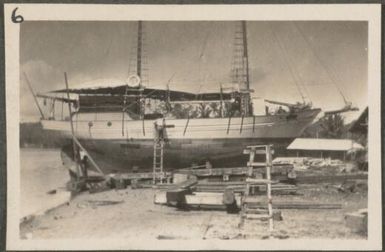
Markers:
158,175
160,138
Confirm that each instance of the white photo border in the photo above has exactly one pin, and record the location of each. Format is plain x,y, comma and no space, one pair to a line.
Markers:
87,12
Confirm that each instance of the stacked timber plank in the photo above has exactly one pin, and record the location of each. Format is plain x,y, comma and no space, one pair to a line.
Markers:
215,200
239,186
137,175
175,194
207,198
279,172
232,170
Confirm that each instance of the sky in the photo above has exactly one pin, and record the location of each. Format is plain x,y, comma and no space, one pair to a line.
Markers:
322,57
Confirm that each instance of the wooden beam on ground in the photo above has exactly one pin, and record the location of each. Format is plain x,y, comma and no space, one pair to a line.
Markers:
256,203
329,178
260,181
211,199
175,193
139,175
160,197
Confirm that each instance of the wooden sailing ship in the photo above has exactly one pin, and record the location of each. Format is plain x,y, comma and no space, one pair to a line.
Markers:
116,123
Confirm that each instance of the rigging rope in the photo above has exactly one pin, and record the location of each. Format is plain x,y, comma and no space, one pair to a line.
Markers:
321,62
201,54
287,63
203,49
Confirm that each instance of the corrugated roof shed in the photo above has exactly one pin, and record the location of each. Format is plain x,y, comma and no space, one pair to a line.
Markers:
324,144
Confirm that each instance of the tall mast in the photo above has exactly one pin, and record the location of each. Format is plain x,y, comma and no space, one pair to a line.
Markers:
139,51
245,55
135,67
137,64
240,68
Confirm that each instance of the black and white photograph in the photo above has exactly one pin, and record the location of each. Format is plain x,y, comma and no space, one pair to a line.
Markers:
237,131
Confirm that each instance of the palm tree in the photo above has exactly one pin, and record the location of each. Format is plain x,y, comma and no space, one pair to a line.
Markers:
332,126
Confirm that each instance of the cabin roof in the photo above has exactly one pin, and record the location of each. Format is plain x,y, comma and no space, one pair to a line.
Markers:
322,144
161,94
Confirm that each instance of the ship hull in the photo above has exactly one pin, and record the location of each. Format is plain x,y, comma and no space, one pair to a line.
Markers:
120,156
127,146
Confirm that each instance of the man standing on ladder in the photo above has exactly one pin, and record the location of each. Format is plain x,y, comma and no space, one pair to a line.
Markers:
159,128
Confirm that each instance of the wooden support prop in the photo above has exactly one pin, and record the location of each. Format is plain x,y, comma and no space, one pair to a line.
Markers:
72,129
34,96
123,111
240,129
88,155
221,102
253,123
62,111
185,128
228,125
144,131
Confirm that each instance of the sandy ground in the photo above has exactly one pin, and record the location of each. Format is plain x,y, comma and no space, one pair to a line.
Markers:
40,171
137,217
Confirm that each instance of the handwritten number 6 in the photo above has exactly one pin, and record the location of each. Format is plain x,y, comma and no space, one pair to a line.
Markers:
16,18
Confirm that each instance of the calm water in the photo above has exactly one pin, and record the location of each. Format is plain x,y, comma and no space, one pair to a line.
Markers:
41,171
